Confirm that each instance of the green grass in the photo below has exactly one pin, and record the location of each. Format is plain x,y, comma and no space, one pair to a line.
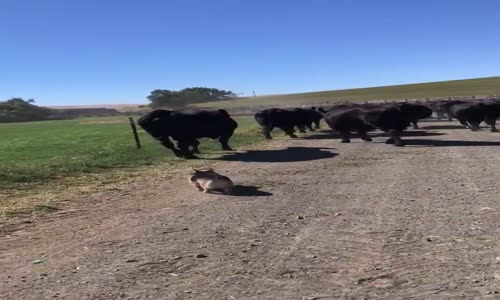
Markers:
40,152
468,87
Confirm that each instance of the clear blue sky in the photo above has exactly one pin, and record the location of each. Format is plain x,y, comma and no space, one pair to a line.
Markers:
117,51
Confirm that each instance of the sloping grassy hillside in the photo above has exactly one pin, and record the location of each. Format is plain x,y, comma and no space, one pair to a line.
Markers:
467,87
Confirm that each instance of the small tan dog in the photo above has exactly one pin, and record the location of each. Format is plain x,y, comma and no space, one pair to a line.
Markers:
209,180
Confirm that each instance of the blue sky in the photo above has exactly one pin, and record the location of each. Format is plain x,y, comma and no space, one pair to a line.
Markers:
116,51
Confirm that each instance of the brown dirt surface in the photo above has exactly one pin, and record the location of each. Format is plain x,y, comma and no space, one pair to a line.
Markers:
328,221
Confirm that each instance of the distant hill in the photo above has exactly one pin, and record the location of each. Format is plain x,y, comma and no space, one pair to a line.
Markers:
489,86
118,107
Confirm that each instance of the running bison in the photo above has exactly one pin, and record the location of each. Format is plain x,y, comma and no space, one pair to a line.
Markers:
417,112
287,120
473,113
186,127
393,118
314,116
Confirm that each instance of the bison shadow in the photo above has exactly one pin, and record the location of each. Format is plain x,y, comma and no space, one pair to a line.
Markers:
448,143
248,191
334,135
444,127
323,135
412,133
290,154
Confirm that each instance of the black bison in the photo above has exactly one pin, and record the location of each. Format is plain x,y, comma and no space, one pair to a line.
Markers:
186,127
418,112
391,118
472,114
287,120
309,118
314,116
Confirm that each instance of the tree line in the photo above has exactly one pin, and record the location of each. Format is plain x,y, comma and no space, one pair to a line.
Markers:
20,110
184,97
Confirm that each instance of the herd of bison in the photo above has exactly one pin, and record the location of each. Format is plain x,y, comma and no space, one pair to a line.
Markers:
186,127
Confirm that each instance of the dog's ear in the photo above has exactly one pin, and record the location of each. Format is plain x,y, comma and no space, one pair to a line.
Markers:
196,171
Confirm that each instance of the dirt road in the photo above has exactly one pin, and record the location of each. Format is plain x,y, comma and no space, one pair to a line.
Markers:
330,221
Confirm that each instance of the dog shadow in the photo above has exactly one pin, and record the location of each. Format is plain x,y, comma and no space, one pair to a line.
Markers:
248,191
243,191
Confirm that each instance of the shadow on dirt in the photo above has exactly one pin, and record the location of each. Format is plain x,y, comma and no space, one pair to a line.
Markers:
334,135
248,191
413,133
443,127
290,154
445,143
323,135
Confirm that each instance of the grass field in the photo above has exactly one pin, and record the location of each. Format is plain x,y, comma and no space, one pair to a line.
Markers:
39,152
468,87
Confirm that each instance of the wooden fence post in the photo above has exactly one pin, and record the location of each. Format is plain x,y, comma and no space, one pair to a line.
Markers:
134,131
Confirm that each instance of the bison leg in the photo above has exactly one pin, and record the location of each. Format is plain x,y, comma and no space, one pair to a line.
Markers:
267,132
316,124
415,124
168,144
364,136
183,146
492,123
346,136
301,128
290,132
396,137
309,126
399,142
224,140
464,123
474,126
